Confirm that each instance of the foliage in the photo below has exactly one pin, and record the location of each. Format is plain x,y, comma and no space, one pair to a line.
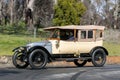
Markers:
68,12
99,12
16,28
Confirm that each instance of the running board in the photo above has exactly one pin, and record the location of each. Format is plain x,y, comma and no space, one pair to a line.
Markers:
72,59
81,59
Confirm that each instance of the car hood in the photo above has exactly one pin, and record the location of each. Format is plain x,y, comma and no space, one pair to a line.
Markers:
42,43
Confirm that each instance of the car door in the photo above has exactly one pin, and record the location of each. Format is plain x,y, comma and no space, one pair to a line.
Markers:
66,44
67,47
63,47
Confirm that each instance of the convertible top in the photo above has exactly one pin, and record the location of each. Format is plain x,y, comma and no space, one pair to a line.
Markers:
82,27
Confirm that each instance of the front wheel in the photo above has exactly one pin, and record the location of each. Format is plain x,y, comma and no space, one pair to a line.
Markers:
18,60
38,59
80,63
98,57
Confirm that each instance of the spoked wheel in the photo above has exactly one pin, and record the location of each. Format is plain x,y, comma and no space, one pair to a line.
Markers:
38,59
99,57
18,60
80,63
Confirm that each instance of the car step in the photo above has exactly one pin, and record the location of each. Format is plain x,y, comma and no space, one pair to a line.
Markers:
72,59
81,58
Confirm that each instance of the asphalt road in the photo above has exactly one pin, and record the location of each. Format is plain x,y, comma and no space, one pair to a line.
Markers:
108,72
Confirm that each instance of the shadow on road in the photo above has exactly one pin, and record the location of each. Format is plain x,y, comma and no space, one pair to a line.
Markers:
74,77
65,67
7,72
60,67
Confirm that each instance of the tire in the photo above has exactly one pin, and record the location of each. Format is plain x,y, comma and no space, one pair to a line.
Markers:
80,63
38,59
19,57
98,57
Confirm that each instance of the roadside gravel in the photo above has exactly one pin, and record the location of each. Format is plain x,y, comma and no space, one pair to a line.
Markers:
6,61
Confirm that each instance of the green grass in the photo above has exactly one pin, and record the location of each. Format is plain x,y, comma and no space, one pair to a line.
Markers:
9,42
113,48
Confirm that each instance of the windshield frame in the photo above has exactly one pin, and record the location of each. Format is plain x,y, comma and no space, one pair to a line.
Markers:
55,32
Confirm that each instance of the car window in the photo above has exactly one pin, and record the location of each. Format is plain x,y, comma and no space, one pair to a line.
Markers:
83,34
67,35
90,34
99,34
86,34
55,34
63,35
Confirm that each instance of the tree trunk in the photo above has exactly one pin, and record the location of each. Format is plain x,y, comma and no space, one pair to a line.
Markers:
0,12
29,16
11,11
116,13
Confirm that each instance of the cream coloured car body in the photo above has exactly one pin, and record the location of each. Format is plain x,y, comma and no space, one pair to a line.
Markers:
73,47
77,46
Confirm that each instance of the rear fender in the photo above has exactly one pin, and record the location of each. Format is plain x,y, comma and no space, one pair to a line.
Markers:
97,48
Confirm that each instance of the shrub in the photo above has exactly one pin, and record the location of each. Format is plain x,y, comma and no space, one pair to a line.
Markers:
16,28
68,12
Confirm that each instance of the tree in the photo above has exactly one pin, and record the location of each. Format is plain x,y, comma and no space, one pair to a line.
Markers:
117,14
4,16
68,12
90,14
101,12
43,12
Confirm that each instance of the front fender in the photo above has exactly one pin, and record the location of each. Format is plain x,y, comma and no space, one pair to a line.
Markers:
44,49
37,47
20,49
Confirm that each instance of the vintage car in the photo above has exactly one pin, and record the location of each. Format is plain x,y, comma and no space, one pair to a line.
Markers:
73,43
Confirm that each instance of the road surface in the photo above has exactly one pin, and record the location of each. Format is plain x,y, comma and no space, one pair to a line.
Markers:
108,72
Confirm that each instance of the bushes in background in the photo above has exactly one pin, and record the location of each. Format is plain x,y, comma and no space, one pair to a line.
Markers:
16,28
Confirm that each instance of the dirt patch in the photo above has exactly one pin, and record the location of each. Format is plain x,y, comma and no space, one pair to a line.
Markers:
6,61
113,60
110,60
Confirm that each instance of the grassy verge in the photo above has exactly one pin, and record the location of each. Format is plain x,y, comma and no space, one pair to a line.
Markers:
9,42
113,48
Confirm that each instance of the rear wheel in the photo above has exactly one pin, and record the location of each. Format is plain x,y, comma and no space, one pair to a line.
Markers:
38,59
80,63
18,60
98,57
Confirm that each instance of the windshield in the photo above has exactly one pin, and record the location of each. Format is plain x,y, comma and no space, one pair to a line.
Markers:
55,34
